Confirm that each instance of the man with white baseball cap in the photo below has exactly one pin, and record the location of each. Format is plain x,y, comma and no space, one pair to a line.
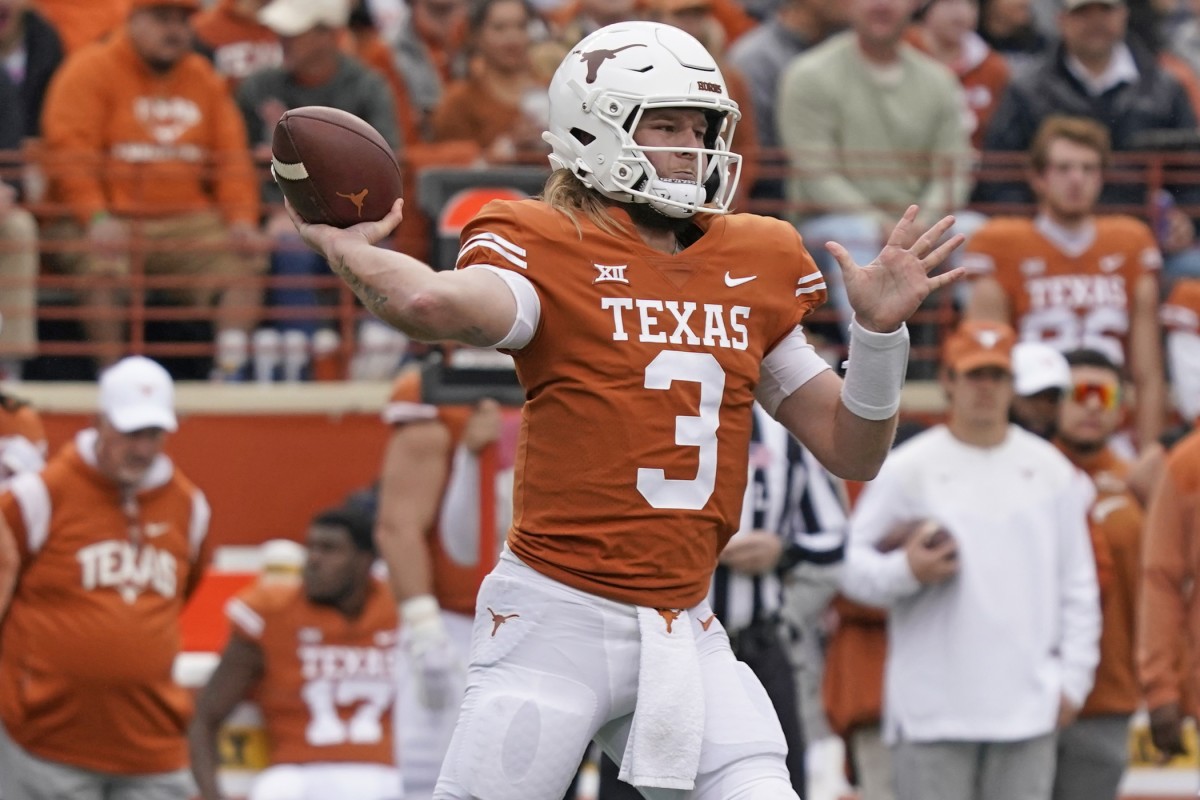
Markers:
110,532
294,17
1040,376
137,393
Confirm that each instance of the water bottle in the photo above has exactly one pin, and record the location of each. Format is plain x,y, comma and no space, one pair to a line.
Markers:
268,349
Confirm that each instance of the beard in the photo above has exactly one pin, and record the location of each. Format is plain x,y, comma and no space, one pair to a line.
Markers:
645,216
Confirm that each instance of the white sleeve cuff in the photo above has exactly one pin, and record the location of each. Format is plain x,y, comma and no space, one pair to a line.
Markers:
529,308
790,364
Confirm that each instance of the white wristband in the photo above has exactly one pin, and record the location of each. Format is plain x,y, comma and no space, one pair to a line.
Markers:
875,372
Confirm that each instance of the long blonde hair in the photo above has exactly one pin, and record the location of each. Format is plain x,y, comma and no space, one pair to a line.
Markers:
566,193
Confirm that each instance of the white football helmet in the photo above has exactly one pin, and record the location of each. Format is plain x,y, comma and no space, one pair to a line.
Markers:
600,92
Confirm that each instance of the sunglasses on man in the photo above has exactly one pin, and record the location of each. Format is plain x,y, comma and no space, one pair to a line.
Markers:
1109,394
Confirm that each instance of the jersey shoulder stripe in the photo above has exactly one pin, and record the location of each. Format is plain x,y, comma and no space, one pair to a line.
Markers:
244,618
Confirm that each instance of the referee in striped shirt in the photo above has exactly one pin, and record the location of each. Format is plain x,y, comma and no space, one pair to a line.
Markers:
792,539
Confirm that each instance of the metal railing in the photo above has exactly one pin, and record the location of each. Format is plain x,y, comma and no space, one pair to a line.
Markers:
145,297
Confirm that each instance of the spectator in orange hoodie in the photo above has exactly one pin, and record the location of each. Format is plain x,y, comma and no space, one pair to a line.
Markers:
146,150
229,32
81,22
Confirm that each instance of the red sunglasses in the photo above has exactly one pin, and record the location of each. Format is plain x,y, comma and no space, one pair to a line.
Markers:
1108,394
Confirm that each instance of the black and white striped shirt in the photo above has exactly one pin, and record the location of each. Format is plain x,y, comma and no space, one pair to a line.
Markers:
791,494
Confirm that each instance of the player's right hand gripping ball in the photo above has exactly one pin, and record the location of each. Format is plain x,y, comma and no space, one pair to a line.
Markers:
333,167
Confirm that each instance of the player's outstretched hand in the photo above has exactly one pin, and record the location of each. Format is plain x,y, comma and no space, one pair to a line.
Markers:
887,291
326,238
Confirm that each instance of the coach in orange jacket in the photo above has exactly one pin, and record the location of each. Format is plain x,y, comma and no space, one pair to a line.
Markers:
145,149
98,554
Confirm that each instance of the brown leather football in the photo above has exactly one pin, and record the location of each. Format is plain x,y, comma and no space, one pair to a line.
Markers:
333,167
898,536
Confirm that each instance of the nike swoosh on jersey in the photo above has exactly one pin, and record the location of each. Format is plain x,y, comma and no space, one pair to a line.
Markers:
731,281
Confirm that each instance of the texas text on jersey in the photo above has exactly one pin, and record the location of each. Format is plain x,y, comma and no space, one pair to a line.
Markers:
98,606
671,345
329,682
1071,294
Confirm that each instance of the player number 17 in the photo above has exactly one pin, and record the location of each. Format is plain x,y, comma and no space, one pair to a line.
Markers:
326,727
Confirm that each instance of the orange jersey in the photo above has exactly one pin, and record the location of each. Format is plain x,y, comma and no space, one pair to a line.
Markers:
1068,298
454,584
1170,610
81,22
1180,317
119,137
639,382
1116,521
87,647
1181,311
852,682
328,682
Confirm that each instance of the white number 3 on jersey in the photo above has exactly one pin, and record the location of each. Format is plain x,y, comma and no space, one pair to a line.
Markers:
698,431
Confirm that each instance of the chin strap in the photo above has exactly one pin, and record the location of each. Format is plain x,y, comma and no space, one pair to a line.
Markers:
690,195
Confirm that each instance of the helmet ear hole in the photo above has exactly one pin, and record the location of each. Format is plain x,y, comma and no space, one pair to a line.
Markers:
582,136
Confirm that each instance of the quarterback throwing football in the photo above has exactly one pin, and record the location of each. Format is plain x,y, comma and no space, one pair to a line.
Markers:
644,320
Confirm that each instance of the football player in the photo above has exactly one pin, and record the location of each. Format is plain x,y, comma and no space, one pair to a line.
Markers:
447,471
1071,277
644,320
321,658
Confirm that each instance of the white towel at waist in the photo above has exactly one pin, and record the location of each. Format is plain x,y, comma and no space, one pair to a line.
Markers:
668,722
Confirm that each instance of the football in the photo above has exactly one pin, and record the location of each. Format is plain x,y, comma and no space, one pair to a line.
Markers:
898,536
333,167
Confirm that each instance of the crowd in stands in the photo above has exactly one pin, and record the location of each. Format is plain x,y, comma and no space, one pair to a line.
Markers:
137,134
131,129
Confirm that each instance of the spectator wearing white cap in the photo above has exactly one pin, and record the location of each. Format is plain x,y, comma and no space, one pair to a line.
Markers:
1040,376
98,554
315,72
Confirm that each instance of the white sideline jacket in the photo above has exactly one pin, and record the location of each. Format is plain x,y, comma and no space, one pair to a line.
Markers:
984,655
